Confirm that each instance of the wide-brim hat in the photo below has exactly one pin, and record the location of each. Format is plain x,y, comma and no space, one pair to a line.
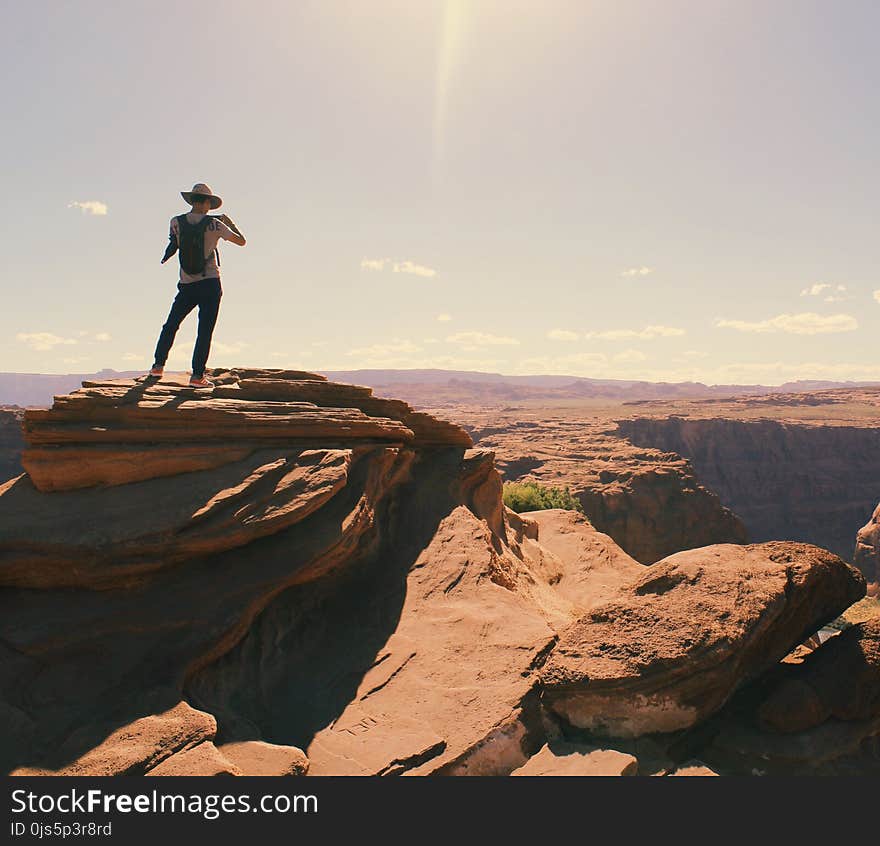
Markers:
205,191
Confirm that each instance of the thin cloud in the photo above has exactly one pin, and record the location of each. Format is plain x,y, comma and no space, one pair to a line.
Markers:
776,372
819,288
481,339
405,355
805,323
228,349
93,207
129,356
103,336
43,341
630,356
398,266
562,335
415,269
576,364
395,347
637,271
444,317
646,334
877,295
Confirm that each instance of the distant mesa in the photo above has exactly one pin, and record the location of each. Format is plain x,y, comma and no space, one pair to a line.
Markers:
430,387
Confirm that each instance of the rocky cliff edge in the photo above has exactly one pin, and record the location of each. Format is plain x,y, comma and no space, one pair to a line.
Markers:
285,574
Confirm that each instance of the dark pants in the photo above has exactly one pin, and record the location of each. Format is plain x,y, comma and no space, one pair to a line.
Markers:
206,295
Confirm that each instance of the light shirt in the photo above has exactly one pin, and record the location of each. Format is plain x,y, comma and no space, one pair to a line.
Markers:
216,230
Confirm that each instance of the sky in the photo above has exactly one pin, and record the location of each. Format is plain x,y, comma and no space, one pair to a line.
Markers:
668,190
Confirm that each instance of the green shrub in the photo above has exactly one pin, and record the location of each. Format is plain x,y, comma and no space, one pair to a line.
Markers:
531,496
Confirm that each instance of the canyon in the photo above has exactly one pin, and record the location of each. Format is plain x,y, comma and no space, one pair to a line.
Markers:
799,466
662,475
288,575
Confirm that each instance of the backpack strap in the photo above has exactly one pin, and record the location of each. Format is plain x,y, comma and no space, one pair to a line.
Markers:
216,251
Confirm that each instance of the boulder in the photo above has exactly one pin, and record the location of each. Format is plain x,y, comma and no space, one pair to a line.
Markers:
202,760
840,680
835,747
693,768
257,758
133,748
570,759
674,644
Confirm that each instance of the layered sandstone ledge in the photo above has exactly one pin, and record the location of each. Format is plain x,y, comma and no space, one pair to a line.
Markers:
119,431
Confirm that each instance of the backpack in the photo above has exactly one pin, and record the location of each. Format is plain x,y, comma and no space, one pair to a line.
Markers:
191,243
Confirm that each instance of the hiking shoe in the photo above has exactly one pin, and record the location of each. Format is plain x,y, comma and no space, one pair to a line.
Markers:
157,372
200,382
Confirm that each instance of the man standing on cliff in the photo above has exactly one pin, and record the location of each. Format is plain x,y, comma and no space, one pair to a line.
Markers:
195,237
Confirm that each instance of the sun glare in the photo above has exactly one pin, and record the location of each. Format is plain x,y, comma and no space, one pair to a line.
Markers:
448,56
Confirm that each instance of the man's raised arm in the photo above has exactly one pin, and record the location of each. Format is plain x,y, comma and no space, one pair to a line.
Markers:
237,237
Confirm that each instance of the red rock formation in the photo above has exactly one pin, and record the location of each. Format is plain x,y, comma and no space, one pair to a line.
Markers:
841,679
672,646
816,716
341,579
650,502
867,554
135,747
11,442
566,759
116,432
786,480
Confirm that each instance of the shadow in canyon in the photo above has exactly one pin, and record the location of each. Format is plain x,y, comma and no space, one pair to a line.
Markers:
303,662
816,484
272,638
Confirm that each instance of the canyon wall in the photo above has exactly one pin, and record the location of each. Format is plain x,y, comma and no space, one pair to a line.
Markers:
818,484
649,501
11,442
